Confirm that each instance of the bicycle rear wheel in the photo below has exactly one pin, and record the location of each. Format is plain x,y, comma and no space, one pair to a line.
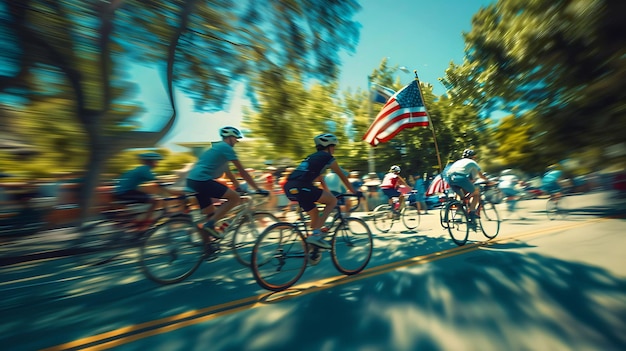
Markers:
100,241
489,220
279,257
383,218
246,233
555,208
410,216
351,246
172,251
456,222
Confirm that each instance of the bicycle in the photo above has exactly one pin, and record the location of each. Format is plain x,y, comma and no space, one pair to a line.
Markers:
384,217
281,254
102,238
457,222
173,250
556,206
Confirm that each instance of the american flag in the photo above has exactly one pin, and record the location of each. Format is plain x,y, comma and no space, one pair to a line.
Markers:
405,109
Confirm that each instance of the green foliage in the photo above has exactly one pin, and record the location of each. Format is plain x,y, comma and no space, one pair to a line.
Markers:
563,60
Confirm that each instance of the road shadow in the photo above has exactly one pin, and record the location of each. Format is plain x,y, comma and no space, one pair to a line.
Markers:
439,305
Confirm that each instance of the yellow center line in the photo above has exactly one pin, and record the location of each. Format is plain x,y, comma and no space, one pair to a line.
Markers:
132,333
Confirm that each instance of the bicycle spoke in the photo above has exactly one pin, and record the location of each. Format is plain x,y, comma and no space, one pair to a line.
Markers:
279,257
456,222
489,220
410,217
351,246
383,218
172,251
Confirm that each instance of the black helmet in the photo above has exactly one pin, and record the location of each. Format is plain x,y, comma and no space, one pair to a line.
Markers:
467,153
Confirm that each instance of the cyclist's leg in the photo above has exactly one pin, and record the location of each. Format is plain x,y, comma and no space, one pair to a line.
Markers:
330,202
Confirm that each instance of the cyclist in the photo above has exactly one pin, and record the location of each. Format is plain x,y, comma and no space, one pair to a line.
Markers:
211,165
299,186
390,184
462,175
128,187
550,181
508,184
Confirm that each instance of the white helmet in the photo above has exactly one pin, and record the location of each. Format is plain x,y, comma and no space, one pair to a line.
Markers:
395,169
230,131
325,140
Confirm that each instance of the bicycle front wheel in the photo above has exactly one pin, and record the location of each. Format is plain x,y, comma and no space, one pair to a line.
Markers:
279,257
552,209
352,246
410,217
172,251
489,220
247,232
383,218
456,221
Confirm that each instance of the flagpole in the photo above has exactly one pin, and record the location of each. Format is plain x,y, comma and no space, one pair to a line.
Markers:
430,123
371,160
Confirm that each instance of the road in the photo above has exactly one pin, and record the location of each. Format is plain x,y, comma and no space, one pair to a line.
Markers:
540,285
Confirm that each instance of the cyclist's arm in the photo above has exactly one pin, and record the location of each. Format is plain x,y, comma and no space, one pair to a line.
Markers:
245,175
403,182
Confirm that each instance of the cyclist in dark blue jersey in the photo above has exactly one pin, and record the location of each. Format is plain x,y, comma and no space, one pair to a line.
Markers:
299,186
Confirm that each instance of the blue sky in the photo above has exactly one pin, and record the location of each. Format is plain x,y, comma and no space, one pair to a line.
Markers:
422,35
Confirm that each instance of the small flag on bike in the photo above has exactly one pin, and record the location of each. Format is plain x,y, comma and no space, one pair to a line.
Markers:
405,109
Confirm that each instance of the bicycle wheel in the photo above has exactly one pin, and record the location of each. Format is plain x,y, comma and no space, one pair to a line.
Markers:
489,220
383,218
246,233
410,216
552,209
442,213
172,251
351,246
279,257
99,241
457,223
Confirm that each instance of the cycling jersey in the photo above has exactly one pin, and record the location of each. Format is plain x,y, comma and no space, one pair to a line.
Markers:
213,162
311,168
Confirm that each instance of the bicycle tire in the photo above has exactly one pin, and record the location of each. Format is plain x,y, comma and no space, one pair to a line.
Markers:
442,212
457,222
172,251
352,246
279,256
489,220
410,217
98,242
383,218
552,209
246,233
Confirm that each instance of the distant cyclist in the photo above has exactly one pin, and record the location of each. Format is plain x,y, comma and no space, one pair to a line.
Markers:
211,165
299,186
462,175
391,183
129,186
550,182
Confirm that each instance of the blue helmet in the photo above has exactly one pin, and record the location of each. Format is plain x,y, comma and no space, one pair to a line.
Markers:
150,156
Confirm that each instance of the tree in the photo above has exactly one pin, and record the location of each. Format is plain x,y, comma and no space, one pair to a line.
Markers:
562,59
200,46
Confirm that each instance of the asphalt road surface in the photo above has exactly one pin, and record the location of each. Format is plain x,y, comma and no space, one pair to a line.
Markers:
539,285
